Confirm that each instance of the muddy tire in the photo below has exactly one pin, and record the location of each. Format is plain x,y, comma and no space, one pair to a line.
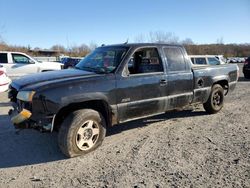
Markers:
215,101
81,132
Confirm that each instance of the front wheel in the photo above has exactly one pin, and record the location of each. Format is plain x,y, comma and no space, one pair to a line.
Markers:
215,101
81,132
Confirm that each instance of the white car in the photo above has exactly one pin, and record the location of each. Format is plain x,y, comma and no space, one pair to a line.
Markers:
19,64
206,60
4,80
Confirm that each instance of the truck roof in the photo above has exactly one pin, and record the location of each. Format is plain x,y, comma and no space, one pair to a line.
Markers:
13,52
141,45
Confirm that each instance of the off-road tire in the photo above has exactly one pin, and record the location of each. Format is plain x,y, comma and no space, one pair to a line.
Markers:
69,131
215,101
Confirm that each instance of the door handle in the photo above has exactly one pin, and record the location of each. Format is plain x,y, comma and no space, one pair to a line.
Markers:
163,82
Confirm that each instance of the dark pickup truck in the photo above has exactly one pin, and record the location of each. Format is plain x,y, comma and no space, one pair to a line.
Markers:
114,84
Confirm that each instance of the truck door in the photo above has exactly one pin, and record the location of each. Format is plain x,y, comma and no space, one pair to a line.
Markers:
139,93
179,88
22,65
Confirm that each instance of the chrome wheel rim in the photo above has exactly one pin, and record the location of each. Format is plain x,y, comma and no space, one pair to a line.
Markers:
87,135
217,99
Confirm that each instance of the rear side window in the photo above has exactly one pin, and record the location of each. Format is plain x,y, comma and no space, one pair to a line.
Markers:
3,58
175,59
213,61
200,61
145,60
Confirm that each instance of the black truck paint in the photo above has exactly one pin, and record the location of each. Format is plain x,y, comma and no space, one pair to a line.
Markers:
118,95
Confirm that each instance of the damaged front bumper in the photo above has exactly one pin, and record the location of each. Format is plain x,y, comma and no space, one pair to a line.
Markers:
22,120
21,117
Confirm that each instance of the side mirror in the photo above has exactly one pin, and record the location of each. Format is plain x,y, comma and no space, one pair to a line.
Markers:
31,61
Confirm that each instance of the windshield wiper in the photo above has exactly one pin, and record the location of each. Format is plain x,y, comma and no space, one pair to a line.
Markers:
99,70
77,68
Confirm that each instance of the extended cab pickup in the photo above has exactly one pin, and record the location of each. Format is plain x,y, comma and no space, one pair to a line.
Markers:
114,84
18,64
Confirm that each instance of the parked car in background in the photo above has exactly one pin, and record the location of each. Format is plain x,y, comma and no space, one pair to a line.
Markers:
246,68
4,80
70,62
221,58
236,59
19,64
206,60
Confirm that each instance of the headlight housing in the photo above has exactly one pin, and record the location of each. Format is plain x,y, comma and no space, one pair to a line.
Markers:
25,95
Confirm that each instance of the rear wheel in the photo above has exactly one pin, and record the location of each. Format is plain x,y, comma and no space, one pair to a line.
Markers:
215,101
81,132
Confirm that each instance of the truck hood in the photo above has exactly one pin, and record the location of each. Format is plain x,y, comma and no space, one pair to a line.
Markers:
50,76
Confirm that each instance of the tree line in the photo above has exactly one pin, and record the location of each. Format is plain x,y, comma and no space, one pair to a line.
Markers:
228,50
74,51
218,48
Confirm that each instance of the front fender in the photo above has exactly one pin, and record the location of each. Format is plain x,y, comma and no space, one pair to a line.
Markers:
79,98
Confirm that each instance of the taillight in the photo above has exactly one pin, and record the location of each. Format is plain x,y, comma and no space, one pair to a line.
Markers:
1,73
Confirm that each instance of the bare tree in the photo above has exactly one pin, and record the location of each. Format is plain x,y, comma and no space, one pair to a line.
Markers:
220,40
81,50
1,39
92,45
187,41
140,38
84,49
59,48
163,37
1,32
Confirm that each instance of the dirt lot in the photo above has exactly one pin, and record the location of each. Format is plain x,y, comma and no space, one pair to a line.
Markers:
182,149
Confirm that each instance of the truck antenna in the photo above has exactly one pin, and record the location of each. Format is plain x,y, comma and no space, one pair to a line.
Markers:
126,42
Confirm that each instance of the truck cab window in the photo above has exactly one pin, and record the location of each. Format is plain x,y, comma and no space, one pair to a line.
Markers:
18,58
175,59
213,61
3,58
145,60
200,61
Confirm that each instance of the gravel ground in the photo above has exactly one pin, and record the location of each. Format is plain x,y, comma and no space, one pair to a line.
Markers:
181,149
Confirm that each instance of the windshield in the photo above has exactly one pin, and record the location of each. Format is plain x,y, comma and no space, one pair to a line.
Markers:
103,60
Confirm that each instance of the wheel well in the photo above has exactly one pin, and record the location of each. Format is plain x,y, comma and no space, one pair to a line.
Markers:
224,85
98,105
